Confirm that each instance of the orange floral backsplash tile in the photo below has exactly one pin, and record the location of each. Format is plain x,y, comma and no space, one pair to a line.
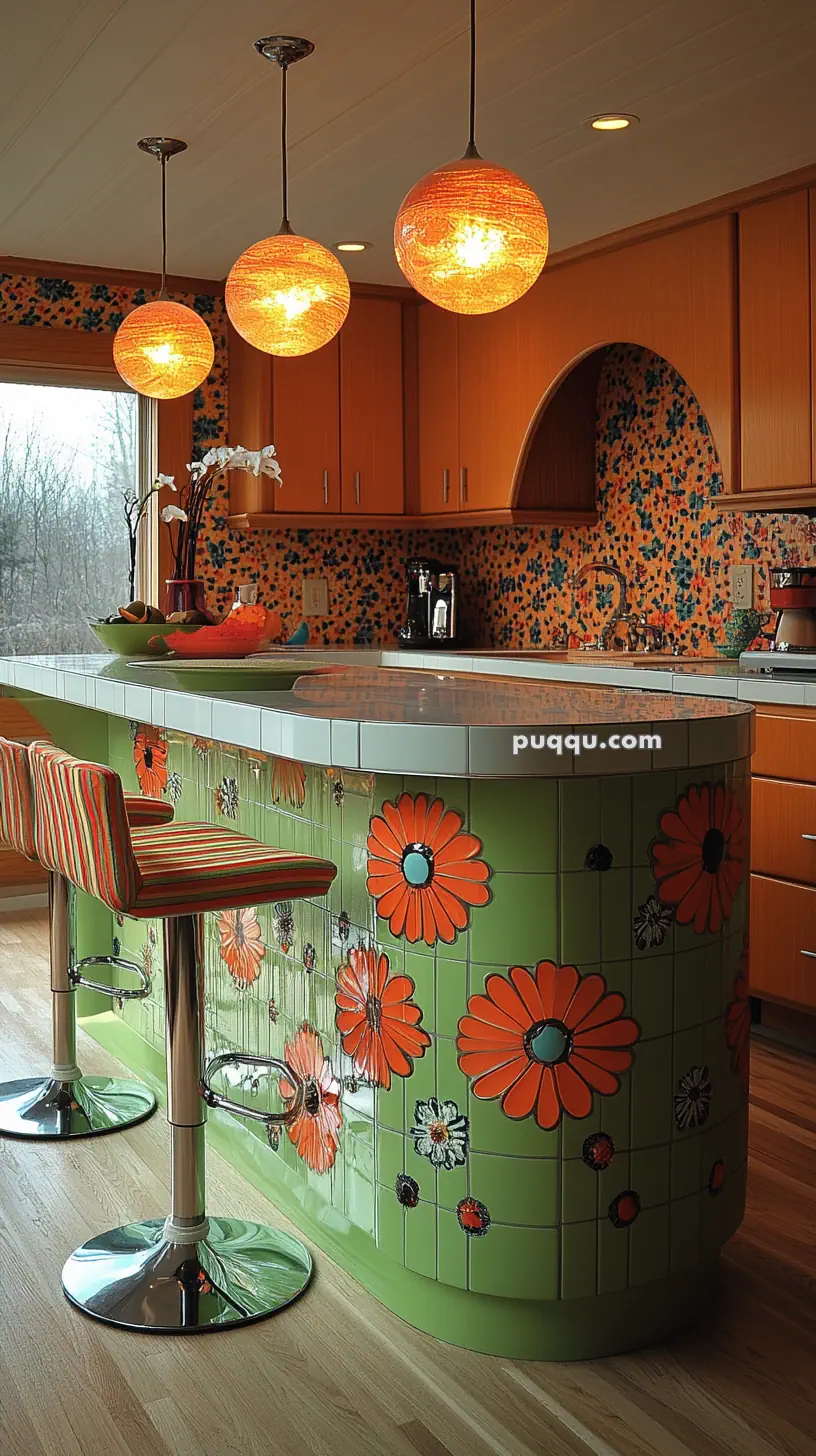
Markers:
658,478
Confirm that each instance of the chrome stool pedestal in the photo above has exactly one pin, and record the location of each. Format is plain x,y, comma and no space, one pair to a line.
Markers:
66,1104
189,1273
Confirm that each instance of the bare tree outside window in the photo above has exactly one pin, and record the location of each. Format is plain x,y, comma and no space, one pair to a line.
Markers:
67,457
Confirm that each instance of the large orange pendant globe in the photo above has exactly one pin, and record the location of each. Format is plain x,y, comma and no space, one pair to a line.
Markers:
471,237
287,295
163,350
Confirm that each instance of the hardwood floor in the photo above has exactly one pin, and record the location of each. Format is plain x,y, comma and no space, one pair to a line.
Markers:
337,1375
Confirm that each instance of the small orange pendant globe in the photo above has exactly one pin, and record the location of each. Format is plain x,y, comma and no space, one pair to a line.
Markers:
287,295
163,350
471,237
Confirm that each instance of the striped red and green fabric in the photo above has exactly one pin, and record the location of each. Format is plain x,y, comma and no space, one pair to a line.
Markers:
16,798
187,868
177,869
147,812
81,825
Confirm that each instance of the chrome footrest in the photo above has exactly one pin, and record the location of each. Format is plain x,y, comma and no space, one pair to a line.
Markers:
124,993
240,1059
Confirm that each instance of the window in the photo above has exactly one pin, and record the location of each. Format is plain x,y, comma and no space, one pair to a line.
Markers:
67,458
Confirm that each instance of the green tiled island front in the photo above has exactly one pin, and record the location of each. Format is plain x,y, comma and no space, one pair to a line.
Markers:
521,1013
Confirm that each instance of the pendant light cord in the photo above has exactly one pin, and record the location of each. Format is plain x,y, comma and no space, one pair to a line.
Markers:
285,226
163,289
471,146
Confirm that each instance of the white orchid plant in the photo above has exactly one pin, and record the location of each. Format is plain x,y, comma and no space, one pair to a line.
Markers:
184,521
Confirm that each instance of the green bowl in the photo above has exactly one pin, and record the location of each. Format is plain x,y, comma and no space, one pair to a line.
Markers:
132,639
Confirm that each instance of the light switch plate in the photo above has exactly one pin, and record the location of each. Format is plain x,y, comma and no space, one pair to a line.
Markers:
742,585
315,596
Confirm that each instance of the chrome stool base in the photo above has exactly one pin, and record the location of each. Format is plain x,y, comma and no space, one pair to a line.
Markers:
132,1277
42,1107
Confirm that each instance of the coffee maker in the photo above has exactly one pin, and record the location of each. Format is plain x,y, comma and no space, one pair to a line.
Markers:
432,610
793,597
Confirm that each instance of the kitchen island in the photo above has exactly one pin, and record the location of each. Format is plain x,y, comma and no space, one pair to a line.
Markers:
522,1009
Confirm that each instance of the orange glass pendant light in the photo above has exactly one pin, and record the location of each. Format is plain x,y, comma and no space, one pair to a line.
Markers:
287,295
472,237
163,349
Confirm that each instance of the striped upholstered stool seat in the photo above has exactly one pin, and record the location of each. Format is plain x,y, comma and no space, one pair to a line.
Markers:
65,1104
187,1272
180,869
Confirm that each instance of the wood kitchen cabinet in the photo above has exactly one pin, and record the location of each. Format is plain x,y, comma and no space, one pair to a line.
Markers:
776,406
306,430
371,439
438,383
783,857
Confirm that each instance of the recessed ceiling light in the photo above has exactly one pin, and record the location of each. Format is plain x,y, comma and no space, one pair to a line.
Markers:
612,121
352,247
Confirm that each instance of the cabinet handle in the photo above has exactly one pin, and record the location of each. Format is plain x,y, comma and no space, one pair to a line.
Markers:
325,487
809,836
357,487
463,484
811,953
445,486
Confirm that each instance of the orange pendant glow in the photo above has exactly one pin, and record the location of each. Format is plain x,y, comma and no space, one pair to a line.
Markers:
471,237
163,350
287,295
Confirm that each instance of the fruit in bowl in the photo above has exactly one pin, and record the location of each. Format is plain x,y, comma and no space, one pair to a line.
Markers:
138,630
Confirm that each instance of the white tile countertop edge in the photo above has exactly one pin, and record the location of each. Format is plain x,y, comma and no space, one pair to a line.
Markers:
432,749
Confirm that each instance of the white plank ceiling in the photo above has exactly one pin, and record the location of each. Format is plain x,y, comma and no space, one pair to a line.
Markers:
724,90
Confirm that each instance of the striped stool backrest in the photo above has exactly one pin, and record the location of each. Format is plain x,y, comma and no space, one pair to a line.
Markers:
16,798
82,825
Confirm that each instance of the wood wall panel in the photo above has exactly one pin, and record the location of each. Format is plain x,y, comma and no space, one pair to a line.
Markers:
775,343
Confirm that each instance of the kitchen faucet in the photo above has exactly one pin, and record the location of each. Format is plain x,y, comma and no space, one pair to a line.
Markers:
622,614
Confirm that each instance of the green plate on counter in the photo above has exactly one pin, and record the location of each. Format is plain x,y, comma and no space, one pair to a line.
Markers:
231,674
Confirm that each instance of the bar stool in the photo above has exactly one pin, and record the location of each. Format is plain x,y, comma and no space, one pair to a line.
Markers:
65,1103
185,1273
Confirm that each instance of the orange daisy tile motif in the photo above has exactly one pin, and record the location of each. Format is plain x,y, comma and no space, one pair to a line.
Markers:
546,1043
738,1026
150,758
377,1019
241,945
315,1131
288,782
423,869
699,856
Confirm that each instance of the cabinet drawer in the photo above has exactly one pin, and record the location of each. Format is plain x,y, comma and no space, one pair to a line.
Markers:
786,746
783,829
783,929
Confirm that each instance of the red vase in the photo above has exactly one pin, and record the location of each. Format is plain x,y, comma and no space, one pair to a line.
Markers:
185,596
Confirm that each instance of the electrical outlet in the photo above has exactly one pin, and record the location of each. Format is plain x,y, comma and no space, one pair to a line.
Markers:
742,585
315,596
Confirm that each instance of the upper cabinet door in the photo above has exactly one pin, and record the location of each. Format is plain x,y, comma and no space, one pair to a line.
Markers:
372,446
306,418
775,343
490,429
438,410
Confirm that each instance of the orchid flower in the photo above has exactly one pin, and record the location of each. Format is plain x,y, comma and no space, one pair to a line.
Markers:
197,468
168,480
173,513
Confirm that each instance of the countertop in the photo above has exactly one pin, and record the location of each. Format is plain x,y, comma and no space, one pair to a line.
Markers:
380,717
700,676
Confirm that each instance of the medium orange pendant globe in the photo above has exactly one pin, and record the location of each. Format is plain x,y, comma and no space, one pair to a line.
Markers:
163,350
287,295
471,237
